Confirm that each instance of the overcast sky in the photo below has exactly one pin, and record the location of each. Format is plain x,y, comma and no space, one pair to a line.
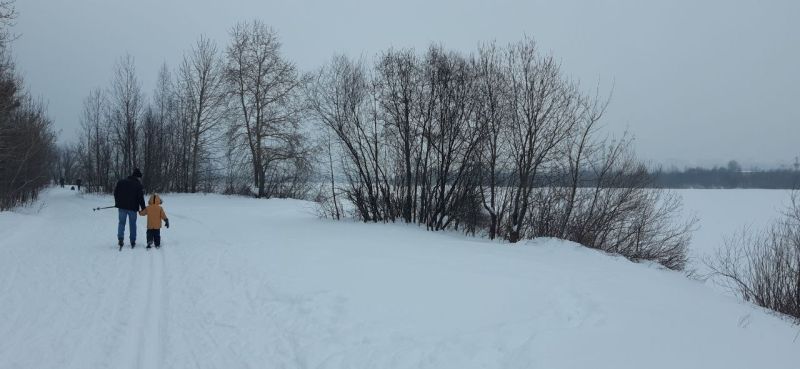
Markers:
696,82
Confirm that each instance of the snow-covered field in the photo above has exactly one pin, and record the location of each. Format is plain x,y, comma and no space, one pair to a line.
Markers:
243,283
724,213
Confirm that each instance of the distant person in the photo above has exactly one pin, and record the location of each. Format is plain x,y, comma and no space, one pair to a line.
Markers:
78,182
129,199
61,182
155,214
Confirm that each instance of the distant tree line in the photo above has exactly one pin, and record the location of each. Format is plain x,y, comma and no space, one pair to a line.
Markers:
730,176
27,141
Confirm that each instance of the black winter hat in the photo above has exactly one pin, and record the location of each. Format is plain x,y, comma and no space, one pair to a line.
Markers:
136,173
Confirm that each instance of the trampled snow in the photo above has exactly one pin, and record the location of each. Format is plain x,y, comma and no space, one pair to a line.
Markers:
244,283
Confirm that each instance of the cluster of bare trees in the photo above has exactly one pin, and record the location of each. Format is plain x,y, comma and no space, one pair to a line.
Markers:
499,142
27,142
764,267
224,120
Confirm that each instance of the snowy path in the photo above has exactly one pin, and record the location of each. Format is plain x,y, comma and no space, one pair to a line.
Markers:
106,309
242,283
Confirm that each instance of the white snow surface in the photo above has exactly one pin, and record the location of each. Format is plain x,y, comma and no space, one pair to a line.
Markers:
245,283
725,214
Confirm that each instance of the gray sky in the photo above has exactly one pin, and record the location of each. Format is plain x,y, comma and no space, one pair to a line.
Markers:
697,82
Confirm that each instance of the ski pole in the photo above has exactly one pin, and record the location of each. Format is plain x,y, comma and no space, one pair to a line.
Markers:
107,207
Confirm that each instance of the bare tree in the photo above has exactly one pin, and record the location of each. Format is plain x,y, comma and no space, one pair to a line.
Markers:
336,213
397,83
126,107
340,99
492,115
453,135
764,266
152,151
95,145
7,15
265,87
238,171
542,106
161,133
579,149
202,86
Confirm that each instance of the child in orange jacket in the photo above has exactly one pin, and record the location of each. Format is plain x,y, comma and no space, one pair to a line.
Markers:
155,214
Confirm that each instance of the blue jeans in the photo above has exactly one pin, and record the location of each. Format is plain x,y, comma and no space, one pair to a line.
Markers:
131,217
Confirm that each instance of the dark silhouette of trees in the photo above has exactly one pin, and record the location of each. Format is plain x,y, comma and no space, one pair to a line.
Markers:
27,141
730,176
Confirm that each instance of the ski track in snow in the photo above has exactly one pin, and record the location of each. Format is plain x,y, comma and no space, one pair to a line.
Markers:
242,283
146,301
148,354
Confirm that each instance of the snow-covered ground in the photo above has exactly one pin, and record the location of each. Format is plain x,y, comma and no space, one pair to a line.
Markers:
243,283
724,213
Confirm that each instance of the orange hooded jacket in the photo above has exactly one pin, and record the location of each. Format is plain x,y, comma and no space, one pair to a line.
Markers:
155,213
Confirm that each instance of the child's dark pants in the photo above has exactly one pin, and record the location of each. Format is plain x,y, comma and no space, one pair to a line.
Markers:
154,235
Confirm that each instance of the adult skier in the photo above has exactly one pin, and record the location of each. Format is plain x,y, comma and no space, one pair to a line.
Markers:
128,199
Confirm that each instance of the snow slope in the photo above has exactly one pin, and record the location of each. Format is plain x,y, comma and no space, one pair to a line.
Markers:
243,283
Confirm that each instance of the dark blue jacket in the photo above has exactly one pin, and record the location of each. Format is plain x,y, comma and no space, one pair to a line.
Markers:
129,194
